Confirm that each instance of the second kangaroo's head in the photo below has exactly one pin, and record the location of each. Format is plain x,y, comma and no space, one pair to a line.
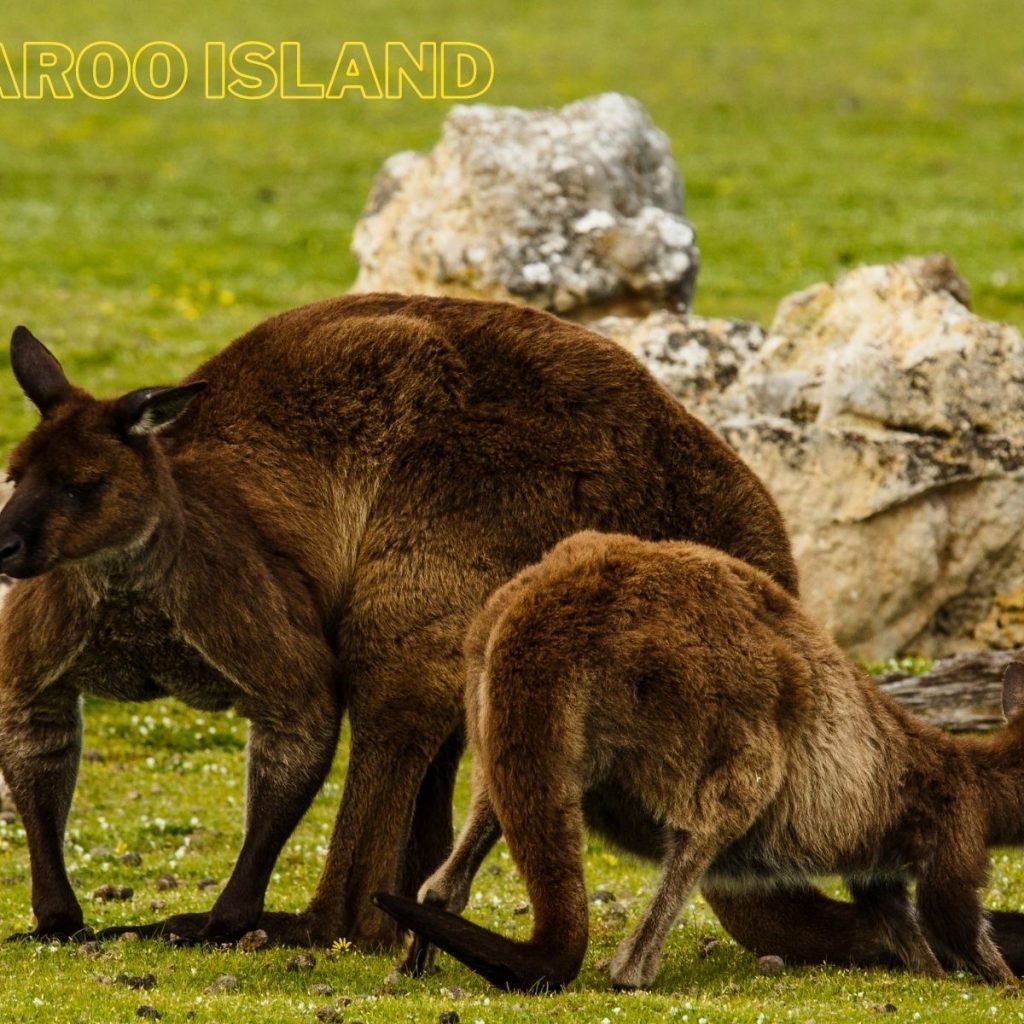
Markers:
88,478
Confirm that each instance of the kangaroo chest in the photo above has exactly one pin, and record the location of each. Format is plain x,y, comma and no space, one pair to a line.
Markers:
137,653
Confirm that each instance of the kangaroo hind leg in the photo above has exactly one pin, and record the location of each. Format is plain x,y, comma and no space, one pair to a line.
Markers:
954,921
448,887
636,961
887,905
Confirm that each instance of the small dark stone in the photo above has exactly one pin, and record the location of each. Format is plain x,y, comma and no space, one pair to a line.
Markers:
602,896
301,962
616,911
770,965
157,904
251,941
165,882
93,755
448,1017
207,883
131,858
321,989
137,981
113,892
90,949
521,908
128,937
191,1015
493,869
222,983
707,945
148,1011
330,1014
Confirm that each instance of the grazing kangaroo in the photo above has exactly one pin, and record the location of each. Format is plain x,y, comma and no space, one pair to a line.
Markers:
306,527
675,696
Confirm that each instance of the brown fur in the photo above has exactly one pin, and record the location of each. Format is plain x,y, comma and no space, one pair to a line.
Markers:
690,689
309,534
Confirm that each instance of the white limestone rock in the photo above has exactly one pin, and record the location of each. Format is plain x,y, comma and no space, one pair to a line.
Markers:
886,418
577,210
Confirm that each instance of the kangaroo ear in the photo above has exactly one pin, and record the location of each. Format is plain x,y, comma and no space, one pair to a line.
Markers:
1013,689
37,370
150,409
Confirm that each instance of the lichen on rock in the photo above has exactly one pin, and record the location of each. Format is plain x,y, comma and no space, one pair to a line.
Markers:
694,357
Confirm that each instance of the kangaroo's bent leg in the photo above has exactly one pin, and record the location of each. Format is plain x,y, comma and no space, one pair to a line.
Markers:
803,925
546,842
886,903
545,836
953,919
40,750
799,923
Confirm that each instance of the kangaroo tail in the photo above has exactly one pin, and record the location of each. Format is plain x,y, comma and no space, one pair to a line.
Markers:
524,966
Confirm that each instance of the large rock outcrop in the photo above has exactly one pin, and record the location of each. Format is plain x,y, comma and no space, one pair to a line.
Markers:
886,419
577,210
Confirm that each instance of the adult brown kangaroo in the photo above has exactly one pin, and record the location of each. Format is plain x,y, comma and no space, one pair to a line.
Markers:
306,526
670,691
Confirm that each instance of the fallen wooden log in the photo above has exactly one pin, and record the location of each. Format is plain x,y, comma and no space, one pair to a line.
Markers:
962,693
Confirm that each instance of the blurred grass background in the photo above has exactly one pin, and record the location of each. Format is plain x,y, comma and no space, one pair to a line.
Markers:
138,237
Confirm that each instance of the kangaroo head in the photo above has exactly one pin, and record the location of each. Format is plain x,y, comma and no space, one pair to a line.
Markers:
88,479
1013,690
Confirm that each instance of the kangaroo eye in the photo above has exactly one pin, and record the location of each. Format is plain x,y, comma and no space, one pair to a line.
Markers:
85,489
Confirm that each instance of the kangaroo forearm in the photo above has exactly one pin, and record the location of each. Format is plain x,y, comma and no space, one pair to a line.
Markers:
39,758
40,750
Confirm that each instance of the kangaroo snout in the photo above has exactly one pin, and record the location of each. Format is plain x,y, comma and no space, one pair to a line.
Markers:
13,555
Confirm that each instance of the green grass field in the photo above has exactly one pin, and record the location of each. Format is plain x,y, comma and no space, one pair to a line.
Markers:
139,237
165,782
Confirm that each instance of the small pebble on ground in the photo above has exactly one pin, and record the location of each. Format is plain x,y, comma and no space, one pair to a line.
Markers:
251,941
301,962
109,892
770,965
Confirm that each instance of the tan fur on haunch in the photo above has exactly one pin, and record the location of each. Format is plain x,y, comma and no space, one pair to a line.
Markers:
671,692
306,527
